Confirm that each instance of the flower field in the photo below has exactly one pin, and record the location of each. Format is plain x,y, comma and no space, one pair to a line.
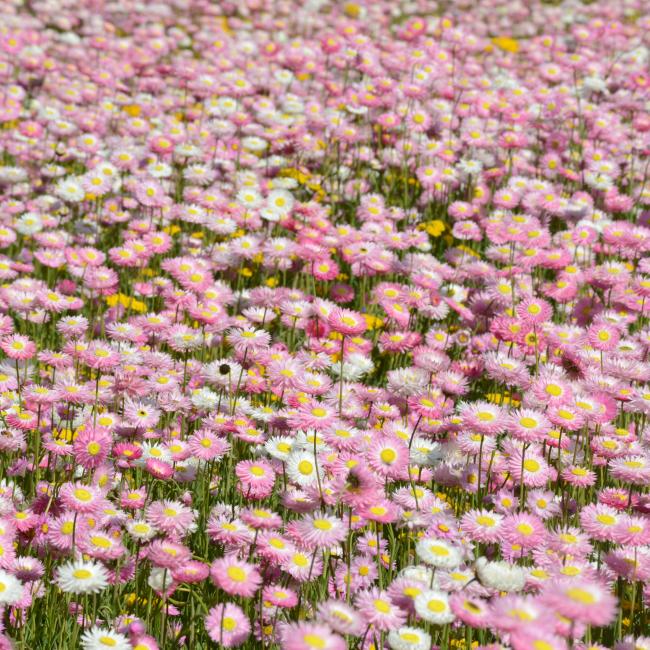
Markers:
324,325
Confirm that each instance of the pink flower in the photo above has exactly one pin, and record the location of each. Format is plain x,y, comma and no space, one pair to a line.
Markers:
172,517
256,478
235,577
92,446
585,602
309,636
317,530
18,347
347,322
523,530
378,610
159,468
227,625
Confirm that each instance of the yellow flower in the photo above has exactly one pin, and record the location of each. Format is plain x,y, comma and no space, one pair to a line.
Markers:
132,109
126,302
63,434
505,398
468,250
296,174
373,321
225,26
435,228
351,9
506,44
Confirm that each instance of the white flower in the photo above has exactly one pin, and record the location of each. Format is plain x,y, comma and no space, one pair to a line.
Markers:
598,181
199,174
470,167
205,399
355,366
153,450
160,579
418,572
433,606
438,553
159,169
409,638
249,198
10,490
227,105
301,468
12,174
407,381
501,576
426,453
594,83
254,144
270,214
187,150
279,447
280,201
284,183
79,577
220,225
141,530
69,189
284,76
223,373
97,638
11,589
455,291
186,471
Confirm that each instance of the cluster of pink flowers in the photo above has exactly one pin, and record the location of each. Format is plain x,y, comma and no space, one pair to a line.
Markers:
325,324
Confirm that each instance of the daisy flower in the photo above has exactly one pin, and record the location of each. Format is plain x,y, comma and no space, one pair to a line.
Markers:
585,602
317,530
378,610
227,625
309,636
302,468
409,638
438,553
433,606
80,577
97,638
235,577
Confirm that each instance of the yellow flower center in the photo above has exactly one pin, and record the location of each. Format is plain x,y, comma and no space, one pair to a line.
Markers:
236,573
581,596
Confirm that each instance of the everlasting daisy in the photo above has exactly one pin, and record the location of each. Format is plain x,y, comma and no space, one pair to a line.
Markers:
438,553
586,602
317,530
97,638
235,577
433,606
81,577
409,638
378,610
227,625
309,636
